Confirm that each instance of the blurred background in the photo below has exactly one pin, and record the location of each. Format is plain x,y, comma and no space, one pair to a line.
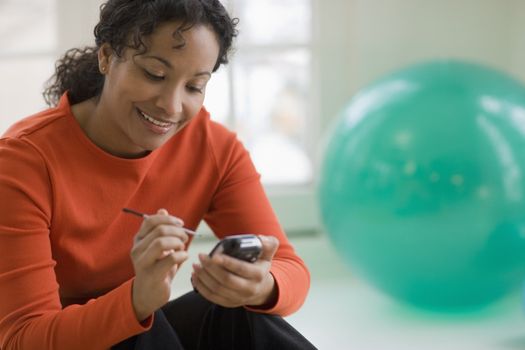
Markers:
296,64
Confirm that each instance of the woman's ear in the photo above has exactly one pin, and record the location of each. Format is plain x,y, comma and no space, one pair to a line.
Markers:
105,52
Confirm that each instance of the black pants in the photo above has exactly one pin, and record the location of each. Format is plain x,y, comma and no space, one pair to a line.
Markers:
191,322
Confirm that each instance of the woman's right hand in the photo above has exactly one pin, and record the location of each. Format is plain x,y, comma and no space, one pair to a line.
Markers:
158,250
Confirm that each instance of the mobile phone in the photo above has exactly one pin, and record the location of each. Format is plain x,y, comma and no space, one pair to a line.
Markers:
246,247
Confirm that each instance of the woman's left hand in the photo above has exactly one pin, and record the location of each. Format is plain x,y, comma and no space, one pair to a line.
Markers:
231,282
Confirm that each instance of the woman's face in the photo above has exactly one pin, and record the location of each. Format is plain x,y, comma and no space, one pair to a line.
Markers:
148,98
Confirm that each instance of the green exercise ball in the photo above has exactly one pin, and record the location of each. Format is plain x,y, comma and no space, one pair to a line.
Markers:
422,186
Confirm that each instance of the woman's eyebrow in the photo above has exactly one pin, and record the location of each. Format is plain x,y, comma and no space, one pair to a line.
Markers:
169,65
162,60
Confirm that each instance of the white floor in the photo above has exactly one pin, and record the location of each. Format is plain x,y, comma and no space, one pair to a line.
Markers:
344,313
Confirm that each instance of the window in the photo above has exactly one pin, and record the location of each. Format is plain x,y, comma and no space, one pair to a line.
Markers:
264,94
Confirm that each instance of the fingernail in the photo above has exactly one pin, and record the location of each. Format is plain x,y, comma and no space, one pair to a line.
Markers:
178,221
268,239
265,239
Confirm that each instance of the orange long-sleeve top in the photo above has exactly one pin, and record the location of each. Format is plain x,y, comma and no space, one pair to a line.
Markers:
65,269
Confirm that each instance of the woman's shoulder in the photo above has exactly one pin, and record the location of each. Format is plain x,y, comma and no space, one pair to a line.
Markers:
43,122
218,134
30,124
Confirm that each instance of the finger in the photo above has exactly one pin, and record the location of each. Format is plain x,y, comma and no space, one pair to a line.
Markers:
222,281
173,271
164,212
140,247
269,247
253,272
164,231
238,289
164,267
209,293
162,274
221,264
208,279
152,221
143,256
157,248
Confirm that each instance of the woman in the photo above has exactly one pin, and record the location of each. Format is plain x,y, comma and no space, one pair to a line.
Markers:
128,129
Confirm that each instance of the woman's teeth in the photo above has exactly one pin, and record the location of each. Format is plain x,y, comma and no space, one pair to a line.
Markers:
154,121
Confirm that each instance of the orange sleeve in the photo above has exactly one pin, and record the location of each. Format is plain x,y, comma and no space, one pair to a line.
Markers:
240,205
31,315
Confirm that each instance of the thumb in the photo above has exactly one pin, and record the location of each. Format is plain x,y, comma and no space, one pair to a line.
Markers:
269,247
162,211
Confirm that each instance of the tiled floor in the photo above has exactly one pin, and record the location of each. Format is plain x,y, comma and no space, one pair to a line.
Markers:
344,313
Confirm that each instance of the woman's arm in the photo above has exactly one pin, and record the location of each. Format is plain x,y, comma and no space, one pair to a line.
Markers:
240,205
31,315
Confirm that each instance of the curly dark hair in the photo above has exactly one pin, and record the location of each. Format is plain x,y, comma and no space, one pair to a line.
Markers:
123,24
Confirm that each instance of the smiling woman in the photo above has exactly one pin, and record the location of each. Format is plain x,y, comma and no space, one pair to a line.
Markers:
150,93
127,117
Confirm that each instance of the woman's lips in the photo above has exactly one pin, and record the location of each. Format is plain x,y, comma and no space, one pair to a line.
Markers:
157,126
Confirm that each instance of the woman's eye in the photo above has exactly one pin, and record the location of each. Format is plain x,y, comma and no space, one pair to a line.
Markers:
153,77
195,89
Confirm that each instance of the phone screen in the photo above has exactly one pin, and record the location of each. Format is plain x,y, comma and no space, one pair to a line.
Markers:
246,247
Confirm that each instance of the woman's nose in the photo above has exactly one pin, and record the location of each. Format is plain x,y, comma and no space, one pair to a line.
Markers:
171,101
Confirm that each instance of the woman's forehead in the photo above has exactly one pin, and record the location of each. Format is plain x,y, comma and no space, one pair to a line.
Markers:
169,43
175,34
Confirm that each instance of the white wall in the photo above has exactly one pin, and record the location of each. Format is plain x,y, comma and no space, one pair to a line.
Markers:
360,40
71,34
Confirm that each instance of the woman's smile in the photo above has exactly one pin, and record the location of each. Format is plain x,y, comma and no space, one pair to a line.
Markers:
158,126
